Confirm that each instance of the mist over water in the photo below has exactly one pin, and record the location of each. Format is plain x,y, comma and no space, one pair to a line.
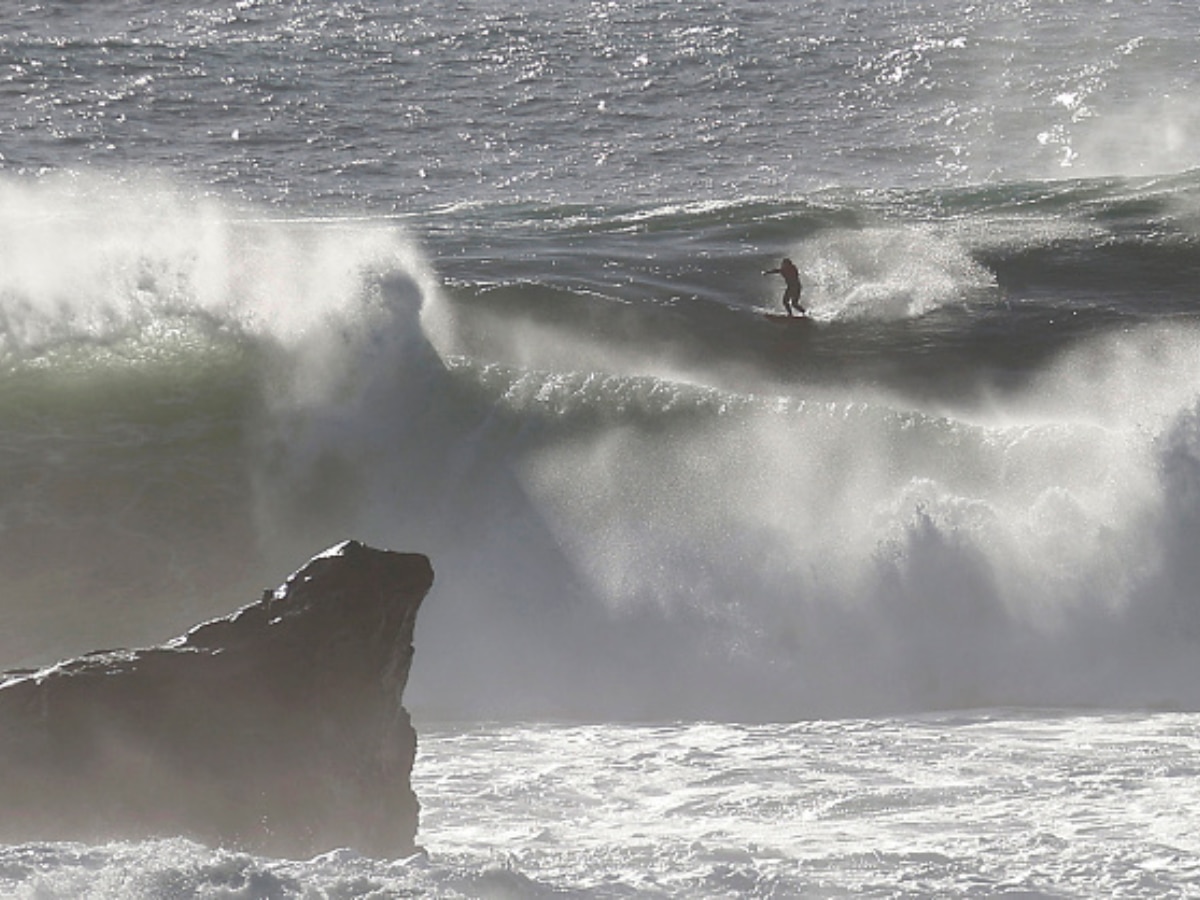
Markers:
903,600
628,518
652,547
249,311
150,336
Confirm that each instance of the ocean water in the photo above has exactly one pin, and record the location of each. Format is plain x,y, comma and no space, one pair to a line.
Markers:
1006,804
900,603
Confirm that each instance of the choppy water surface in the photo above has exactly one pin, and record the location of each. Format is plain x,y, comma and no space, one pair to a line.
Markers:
971,805
401,105
1002,804
485,282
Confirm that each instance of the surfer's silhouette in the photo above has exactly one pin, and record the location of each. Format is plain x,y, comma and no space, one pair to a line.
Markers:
791,293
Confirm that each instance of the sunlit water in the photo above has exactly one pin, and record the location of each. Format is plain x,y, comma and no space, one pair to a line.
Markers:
485,282
998,804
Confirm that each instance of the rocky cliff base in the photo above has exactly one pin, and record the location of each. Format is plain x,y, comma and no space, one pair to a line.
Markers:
278,730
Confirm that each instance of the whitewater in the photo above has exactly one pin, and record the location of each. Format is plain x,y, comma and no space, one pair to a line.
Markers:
901,603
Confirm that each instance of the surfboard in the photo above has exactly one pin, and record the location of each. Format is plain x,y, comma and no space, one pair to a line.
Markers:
784,319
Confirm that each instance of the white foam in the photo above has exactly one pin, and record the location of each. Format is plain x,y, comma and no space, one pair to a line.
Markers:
94,258
887,272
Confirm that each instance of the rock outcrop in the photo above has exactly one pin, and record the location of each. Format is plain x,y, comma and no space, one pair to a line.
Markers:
278,730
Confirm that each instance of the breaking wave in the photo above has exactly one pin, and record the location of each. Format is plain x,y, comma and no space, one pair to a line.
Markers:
642,500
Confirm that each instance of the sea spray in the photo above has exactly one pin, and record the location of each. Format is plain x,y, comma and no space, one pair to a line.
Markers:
737,550
94,258
817,536
889,272
157,346
485,282
640,512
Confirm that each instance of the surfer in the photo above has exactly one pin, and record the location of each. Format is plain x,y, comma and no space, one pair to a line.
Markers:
791,293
